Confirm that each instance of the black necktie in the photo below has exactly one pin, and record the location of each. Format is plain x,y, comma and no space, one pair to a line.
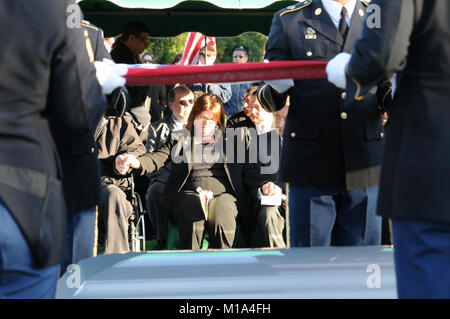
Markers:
343,26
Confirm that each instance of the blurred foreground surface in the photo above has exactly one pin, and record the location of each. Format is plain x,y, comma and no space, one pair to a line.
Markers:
318,272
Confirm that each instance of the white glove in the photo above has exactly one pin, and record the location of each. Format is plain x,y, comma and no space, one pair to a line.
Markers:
336,70
281,86
109,75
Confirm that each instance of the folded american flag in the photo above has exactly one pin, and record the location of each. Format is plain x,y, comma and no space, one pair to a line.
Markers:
224,72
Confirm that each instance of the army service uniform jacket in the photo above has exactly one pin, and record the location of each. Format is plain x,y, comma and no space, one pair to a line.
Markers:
415,175
324,143
46,80
78,152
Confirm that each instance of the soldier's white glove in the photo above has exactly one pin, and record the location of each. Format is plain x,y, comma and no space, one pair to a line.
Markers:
110,75
336,70
281,86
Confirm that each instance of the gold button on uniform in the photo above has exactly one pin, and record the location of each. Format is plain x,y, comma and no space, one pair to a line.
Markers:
309,53
382,135
92,150
293,134
343,95
318,11
343,115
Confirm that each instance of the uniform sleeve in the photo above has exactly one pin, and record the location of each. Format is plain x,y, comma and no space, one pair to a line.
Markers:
221,90
130,141
381,51
101,52
75,99
151,162
277,47
152,139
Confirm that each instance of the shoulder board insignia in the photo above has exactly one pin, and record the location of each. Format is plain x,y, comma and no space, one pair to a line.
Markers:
88,25
366,3
297,7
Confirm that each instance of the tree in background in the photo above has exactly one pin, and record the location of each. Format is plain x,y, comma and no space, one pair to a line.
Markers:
253,41
165,49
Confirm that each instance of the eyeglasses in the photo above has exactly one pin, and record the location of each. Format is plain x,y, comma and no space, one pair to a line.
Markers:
147,61
238,56
186,102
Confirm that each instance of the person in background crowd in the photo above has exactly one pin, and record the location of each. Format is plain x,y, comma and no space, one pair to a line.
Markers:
115,135
181,100
156,100
238,90
176,61
240,55
415,175
126,49
269,219
207,56
226,178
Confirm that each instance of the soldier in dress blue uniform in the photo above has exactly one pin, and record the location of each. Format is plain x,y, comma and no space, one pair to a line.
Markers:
51,85
81,170
415,175
331,156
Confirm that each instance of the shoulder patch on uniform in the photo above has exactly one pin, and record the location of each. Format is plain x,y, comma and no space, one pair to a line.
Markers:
296,7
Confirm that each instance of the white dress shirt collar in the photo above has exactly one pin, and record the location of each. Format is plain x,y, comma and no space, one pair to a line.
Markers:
265,126
178,124
334,9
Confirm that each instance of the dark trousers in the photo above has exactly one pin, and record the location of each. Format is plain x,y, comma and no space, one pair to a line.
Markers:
270,223
333,216
115,211
187,214
422,259
19,279
158,215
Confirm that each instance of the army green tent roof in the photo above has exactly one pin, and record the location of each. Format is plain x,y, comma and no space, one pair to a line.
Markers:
167,18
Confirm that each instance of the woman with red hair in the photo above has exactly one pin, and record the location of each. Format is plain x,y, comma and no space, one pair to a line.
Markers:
200,164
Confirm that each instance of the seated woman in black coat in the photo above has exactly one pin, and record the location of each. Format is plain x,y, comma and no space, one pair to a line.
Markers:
200,162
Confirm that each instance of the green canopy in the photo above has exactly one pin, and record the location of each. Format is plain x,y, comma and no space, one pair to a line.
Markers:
167,18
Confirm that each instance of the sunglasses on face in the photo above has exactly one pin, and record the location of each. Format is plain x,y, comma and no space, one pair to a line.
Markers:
147,61
186,102
238,56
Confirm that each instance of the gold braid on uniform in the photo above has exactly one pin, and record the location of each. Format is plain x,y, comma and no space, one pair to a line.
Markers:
297,7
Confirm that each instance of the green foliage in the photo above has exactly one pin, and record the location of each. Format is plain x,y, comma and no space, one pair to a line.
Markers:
165,49
253,41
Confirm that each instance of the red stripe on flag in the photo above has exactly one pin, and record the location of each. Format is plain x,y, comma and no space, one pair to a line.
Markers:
194,42
187,48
